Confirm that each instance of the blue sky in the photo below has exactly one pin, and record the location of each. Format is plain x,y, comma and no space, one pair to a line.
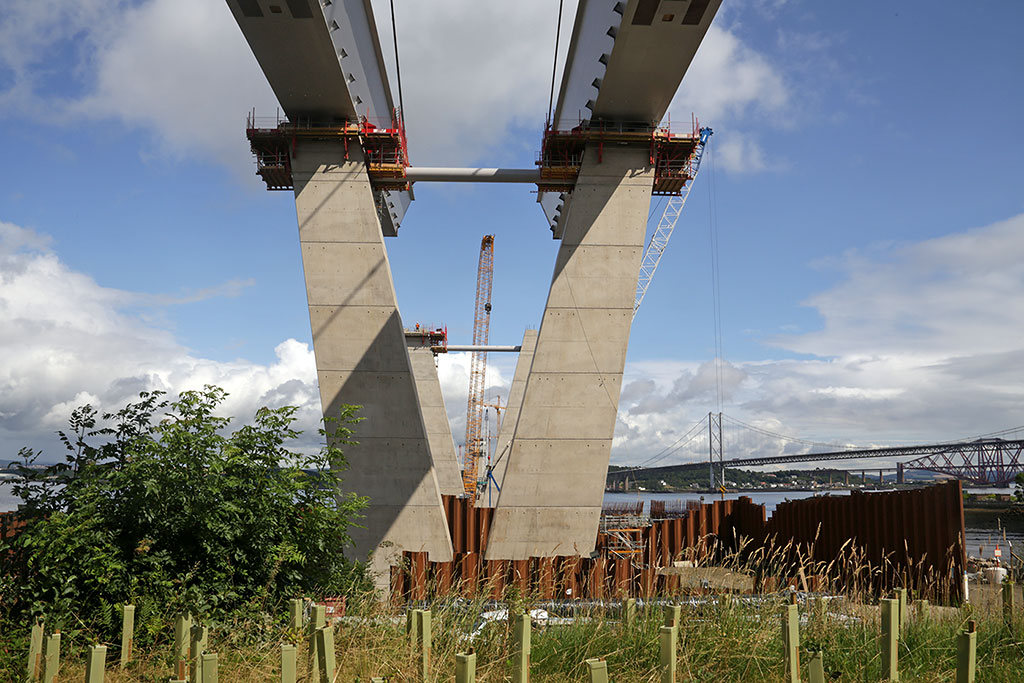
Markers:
867,176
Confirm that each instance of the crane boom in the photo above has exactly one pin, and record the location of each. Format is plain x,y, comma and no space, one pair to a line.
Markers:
476,443
667,223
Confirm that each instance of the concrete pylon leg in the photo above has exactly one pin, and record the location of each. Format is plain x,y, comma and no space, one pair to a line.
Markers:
361,356
550,503
435,417
508,422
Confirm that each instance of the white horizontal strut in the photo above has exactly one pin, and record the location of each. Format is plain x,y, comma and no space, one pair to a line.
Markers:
472,175
477,347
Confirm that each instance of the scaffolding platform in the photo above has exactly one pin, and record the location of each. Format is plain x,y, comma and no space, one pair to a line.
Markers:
273,143
672,154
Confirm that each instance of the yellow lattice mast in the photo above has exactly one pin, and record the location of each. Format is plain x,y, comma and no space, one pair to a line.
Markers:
476,444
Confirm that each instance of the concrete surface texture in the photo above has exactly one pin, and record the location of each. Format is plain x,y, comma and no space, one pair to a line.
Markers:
550,503
361,355
439,431
509,420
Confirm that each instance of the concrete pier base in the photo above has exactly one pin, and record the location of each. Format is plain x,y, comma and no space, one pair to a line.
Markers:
550,503
361,355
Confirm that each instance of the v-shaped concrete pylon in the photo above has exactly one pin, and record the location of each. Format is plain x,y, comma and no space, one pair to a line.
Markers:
550,501
361,355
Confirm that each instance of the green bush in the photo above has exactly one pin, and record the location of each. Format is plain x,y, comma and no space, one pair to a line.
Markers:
156,504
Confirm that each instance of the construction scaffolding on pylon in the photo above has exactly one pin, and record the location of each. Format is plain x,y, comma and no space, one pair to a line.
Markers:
476,442
383,145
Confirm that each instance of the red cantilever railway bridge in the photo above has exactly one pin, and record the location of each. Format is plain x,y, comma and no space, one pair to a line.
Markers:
985,461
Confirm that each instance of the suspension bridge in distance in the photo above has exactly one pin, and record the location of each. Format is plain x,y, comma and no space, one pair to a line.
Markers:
982,461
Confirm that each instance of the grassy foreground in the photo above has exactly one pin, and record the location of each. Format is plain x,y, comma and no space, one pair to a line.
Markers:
720,640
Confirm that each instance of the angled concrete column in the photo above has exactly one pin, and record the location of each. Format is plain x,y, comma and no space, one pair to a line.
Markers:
550,502
508,422
439,431
361,355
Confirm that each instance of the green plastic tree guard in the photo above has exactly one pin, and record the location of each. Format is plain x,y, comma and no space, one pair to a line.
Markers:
465,667
182,640
317,620
791,641
426,640
816,668
210,667
325,653
629,612
521,652
35,651
127,633
598,670
289,664
890,611
96,664
966,654
901,596
413,626
51,658
667,637
199,637
295,614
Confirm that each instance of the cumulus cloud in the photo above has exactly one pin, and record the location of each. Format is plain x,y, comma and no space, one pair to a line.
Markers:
919,343
67,341
740,154
453,373
730,80
938,298
182,69
736,90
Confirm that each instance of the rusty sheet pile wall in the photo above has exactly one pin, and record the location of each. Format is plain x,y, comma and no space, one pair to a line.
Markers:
913,538
871,541
625,563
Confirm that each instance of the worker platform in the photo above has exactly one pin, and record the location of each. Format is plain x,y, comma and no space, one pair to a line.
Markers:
671,154
273,142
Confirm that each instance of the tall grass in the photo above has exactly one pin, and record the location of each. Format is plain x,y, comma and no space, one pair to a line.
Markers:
723,637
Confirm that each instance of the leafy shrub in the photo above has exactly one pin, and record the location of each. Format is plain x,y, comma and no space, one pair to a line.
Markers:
156,505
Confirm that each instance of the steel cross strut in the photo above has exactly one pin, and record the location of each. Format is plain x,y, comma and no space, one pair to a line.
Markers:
989,461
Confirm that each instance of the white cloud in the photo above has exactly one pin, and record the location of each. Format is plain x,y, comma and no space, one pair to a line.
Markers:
735,90
955,295
182,69
730,80
740,154
453,373
67,341
920,343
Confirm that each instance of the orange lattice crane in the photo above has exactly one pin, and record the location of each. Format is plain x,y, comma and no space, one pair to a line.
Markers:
476,443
